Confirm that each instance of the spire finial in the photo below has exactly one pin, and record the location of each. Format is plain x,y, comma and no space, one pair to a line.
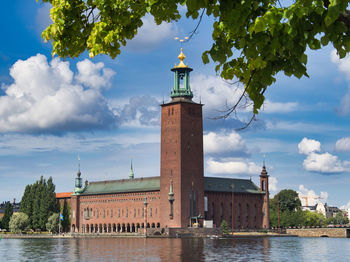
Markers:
79,173
264,160
181,55
131,176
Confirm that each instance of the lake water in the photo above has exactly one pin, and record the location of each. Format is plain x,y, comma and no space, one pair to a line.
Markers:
187,249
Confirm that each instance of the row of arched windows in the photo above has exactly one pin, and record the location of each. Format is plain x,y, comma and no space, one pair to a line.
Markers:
89,213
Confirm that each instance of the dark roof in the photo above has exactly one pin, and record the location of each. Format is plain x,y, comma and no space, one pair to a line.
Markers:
123,185
213,184
218,184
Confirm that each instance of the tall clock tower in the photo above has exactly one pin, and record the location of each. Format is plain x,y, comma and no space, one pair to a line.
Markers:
181,165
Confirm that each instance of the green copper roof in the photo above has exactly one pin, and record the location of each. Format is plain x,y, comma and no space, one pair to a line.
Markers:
213,184
124,185
218,184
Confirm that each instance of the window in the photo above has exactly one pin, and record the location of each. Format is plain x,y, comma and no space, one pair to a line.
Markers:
134,212
150,212
118,212
104,213
111,212
126,212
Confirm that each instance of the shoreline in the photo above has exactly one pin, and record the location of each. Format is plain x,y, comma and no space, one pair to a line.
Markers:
72,236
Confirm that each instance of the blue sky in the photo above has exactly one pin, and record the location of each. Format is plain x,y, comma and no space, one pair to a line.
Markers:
107,111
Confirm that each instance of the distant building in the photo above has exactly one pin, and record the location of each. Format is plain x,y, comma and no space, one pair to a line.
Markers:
327,211
181,196
14,205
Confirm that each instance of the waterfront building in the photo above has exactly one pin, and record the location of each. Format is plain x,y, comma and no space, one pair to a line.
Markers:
181,196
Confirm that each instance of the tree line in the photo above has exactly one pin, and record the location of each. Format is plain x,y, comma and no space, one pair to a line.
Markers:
291,214
39,210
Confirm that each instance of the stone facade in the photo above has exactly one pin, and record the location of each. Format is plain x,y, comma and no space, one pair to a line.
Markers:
320,232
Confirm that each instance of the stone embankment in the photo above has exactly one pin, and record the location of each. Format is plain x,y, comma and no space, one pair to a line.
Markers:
320,232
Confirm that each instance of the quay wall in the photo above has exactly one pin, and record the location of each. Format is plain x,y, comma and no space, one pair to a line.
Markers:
320,232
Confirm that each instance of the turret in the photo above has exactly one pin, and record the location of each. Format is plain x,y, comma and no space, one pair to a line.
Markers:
181,74
264,187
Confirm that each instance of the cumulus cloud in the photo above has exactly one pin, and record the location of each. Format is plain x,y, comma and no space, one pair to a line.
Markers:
343,144
346,207
344,67
273,184
47,97
320,162
151,35
311,196
232,166
224,142
307,146
218,95
139,111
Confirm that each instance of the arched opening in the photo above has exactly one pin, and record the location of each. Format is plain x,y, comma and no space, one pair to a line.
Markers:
118,228
324,236
100,228
133,229
128,228
73,228
83,229
114,228
158,225
104,228
137,227
109,228
153,225
87,228
123,227
148,226
142,225
96,228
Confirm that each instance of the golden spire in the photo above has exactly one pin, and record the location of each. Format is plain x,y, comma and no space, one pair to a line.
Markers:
181,57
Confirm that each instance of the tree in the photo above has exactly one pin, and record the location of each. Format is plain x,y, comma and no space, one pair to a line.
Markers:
65,211
224,227
7,215
39,202
289,200
19,222
52,223
253,40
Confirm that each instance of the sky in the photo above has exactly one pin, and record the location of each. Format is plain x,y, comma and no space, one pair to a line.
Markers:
107,112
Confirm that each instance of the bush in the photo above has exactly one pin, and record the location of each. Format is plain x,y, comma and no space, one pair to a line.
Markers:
224,227
52,223
19,222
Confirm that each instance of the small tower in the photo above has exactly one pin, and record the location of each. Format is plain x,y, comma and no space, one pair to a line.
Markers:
264,187
131,175
181,72
78,181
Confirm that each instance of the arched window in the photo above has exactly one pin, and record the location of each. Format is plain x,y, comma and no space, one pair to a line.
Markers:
247,211
126,212
212,210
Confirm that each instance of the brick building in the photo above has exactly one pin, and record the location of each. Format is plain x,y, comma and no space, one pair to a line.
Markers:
181,195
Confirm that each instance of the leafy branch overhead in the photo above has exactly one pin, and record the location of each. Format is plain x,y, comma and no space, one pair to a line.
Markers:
252,40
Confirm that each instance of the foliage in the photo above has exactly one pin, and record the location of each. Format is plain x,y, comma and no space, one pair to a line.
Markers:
52,223
339,219
65,211
19,222
224,227
7,215
39,202
252,40
291,214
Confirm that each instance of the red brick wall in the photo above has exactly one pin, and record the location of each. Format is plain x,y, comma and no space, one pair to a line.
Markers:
222,209
181,160
113,209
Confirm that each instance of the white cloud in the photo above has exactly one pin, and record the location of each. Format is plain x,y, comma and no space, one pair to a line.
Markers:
324,163
343,144
151,35
90,76
224,142
344,67
297,126
320,162
46,97
275,107
218,95
346,207
233,166
311,196
307,146
273,184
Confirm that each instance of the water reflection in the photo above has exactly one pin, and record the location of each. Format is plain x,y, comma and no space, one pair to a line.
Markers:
190,249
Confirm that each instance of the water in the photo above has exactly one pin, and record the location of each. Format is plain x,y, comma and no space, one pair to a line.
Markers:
190,249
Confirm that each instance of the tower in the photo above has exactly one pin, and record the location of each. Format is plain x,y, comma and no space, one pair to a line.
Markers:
181,167
264,186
